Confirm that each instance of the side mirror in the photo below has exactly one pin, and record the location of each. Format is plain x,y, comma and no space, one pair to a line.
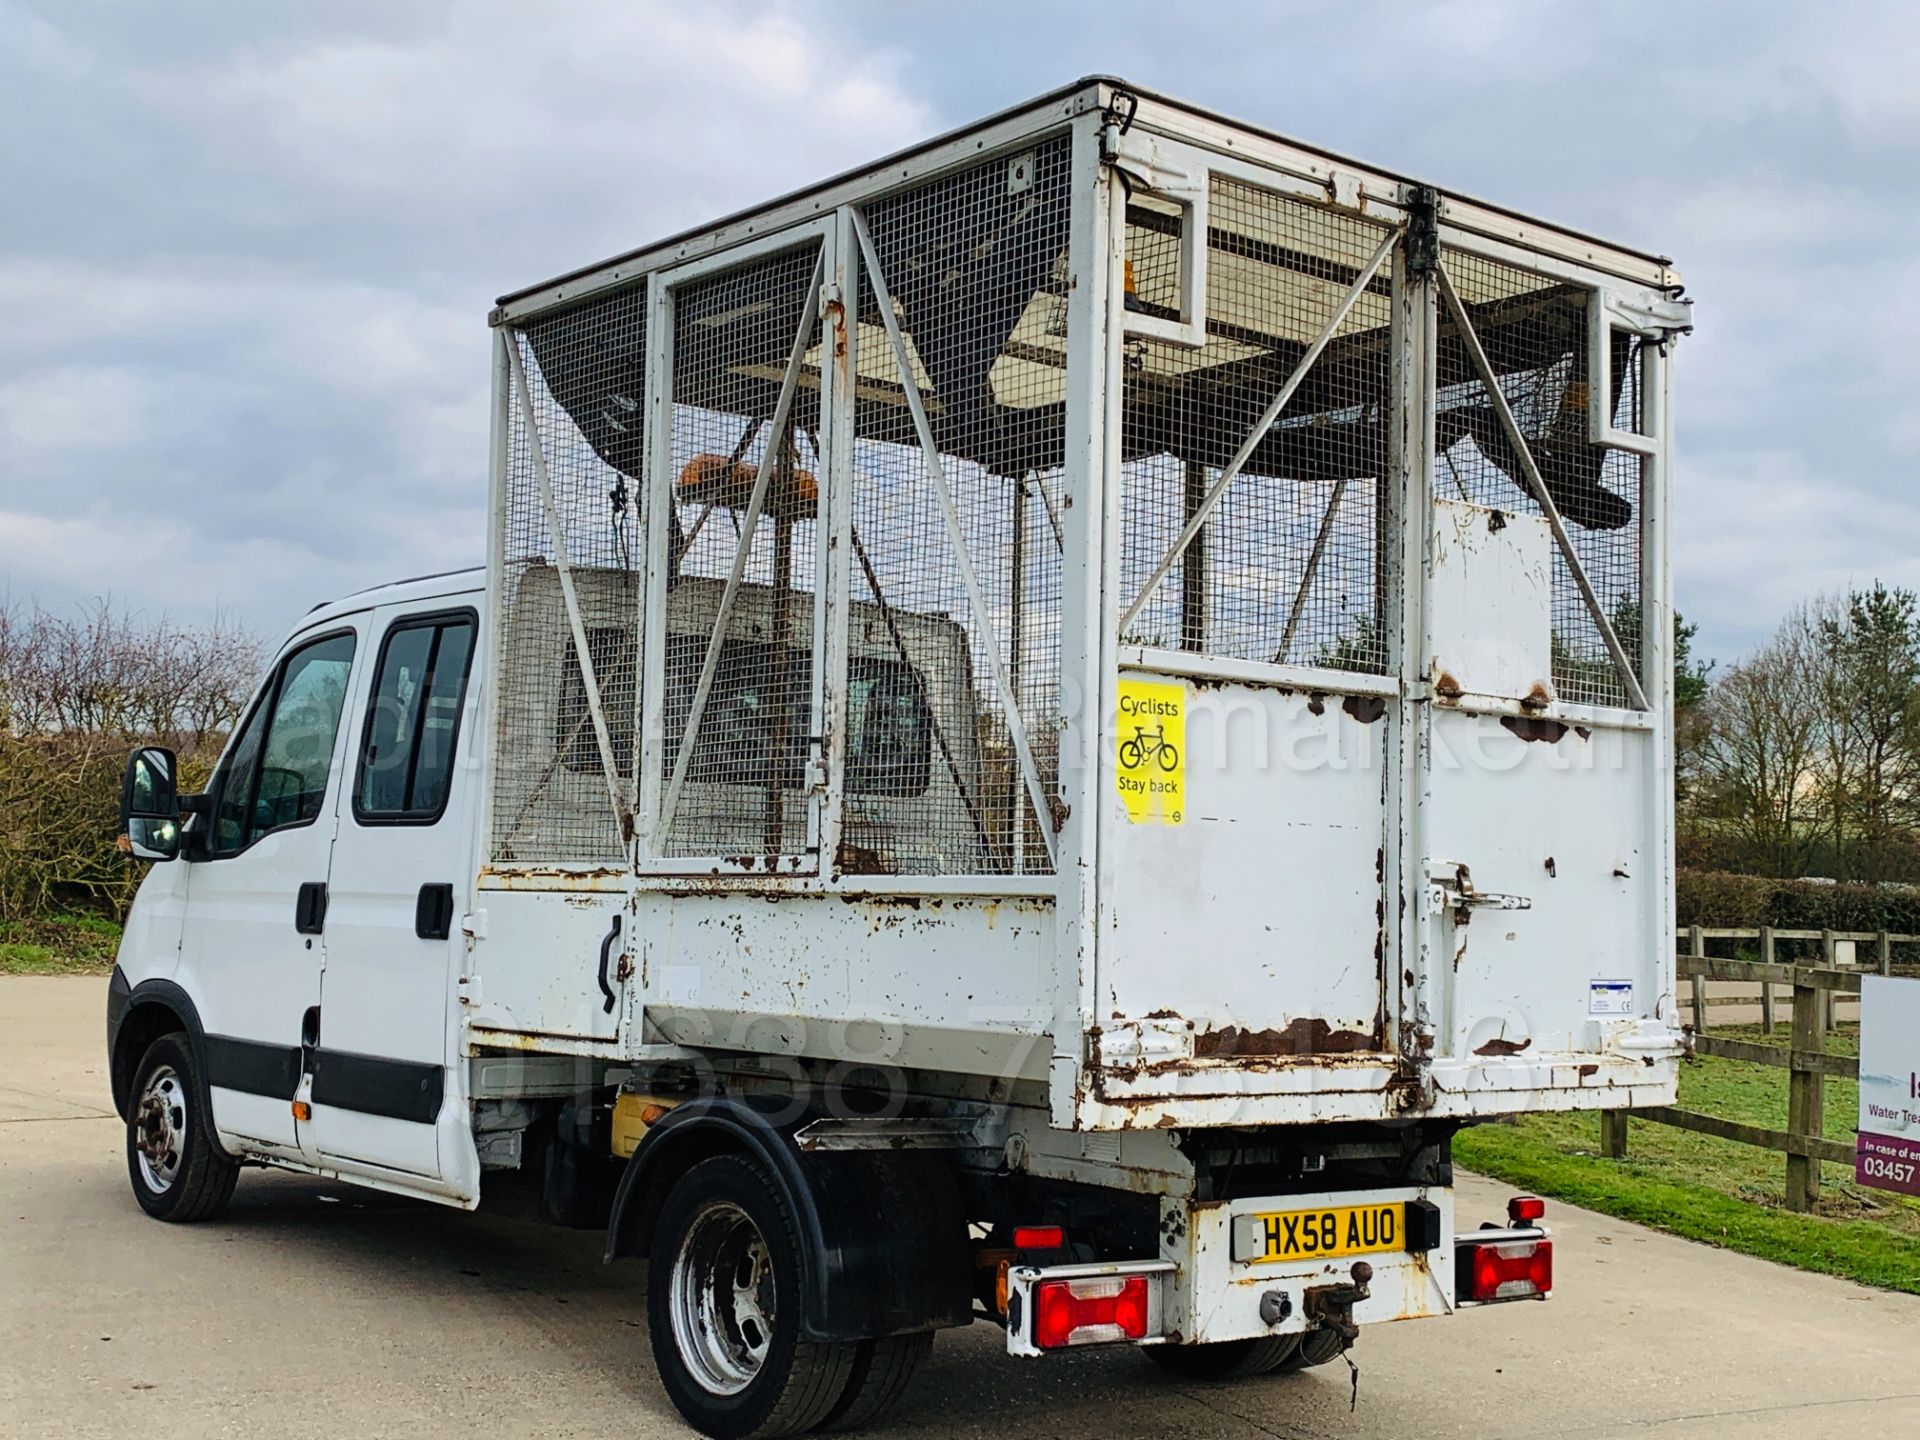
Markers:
150,805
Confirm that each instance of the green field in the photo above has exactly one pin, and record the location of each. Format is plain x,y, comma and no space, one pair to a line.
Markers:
58,945
1715,1190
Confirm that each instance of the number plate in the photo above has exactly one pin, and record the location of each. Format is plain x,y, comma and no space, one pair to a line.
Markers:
1323,1234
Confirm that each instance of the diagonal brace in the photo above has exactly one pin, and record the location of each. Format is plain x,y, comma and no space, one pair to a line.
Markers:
976,597
1537,482
576,623
1204,510
710,665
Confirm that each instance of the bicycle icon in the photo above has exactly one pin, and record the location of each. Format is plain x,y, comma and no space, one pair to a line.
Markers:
1145,745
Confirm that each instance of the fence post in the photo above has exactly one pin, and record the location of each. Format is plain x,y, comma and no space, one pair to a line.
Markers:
1766,986
1806,1094
1886,953
1827,962
1697,948
1613,1134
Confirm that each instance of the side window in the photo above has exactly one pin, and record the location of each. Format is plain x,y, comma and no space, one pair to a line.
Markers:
277,773
413,720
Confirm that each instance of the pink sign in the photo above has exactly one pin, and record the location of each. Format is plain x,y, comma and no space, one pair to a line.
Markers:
1887,1162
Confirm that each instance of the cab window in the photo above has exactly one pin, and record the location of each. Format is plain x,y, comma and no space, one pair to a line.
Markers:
413,720
276,775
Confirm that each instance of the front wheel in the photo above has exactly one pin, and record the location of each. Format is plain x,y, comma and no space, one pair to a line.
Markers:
723,1308
177,1170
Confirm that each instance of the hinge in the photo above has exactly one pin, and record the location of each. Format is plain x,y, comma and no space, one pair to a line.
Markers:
474,924
1423,230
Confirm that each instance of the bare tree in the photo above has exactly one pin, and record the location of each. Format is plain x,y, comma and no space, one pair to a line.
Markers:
77,692
1763,749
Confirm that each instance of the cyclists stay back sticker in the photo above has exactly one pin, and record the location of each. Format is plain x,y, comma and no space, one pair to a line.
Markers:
1152,741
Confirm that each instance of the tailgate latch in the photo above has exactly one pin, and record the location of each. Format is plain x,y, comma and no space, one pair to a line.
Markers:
1450,887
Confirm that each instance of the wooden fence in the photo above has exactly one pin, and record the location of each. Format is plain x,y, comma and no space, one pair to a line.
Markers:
1767,940
1806,1060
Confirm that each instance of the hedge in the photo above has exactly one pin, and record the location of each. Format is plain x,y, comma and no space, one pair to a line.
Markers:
1719,898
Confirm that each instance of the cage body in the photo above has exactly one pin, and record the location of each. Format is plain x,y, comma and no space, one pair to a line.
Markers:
1110,601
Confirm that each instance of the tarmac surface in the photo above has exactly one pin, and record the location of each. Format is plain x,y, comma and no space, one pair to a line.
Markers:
317,1309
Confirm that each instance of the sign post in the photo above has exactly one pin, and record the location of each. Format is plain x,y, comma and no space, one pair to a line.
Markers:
1887,1149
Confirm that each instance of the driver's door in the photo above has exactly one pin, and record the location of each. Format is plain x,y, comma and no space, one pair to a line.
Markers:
252,948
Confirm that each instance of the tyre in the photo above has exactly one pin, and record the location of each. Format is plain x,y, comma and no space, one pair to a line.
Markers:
176,1167
723,1308
881,1372
1226,1359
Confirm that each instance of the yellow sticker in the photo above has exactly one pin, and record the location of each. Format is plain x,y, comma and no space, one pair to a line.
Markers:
1152,744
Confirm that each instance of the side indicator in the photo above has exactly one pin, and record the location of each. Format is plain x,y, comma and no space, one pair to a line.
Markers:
302,1110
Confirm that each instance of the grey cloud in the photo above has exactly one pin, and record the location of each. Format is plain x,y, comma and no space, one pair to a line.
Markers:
257,246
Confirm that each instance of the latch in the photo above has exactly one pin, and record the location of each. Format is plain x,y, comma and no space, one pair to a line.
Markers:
1450,887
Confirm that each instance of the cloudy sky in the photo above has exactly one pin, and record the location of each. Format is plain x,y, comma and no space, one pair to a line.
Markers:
247,256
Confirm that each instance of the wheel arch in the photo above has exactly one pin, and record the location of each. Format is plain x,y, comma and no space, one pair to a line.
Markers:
882,1234
138,1017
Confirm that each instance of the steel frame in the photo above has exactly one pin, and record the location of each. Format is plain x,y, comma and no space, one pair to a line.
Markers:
1087,528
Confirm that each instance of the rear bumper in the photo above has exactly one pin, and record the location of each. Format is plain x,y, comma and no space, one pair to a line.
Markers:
1220,1297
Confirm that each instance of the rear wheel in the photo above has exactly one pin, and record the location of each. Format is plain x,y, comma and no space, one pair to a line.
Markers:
177,1170
1227,1359
882,1370
1317,1347
723,1308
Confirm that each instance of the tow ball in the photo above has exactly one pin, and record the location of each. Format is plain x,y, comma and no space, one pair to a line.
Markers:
1331,1306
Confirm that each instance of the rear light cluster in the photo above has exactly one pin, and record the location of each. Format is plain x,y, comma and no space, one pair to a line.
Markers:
1094,1311
1511,1264
1508,1270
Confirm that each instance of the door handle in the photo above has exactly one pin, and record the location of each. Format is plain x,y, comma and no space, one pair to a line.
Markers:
310,908
606,951
433,912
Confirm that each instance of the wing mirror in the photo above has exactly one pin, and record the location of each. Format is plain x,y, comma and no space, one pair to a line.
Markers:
150,805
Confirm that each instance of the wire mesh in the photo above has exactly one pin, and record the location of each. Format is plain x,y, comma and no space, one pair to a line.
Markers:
743,790
975,263
1534,332
586,369
1285,570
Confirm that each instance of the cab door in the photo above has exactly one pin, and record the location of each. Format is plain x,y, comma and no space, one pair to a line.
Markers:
255,934
398,885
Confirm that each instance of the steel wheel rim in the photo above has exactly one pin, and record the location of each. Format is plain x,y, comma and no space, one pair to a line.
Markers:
722,1303
160,1129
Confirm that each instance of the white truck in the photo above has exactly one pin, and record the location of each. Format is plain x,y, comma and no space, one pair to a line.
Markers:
1045,720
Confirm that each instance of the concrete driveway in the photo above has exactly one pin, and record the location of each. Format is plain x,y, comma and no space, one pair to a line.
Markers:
319,1310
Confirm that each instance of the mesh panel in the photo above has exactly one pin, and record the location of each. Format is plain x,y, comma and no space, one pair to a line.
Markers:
743,792
1534,331
1285,569
551,801
975,264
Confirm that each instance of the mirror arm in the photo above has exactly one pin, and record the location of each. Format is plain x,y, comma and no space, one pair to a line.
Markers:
199,804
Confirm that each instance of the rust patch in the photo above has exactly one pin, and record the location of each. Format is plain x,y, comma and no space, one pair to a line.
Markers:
1499,1046
1531,728
1316,703
1538,698
1586,1070
1583,732
1365,708
1305,1036
1447,688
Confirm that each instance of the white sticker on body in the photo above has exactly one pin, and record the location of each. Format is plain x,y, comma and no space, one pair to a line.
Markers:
1610,997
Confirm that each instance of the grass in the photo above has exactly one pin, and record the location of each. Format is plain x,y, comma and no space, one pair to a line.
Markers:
58,945
1713,1190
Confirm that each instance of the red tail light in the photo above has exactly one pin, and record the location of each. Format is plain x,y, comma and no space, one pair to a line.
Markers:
1526,1210
1089,1312
1506,1270
1038,1237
